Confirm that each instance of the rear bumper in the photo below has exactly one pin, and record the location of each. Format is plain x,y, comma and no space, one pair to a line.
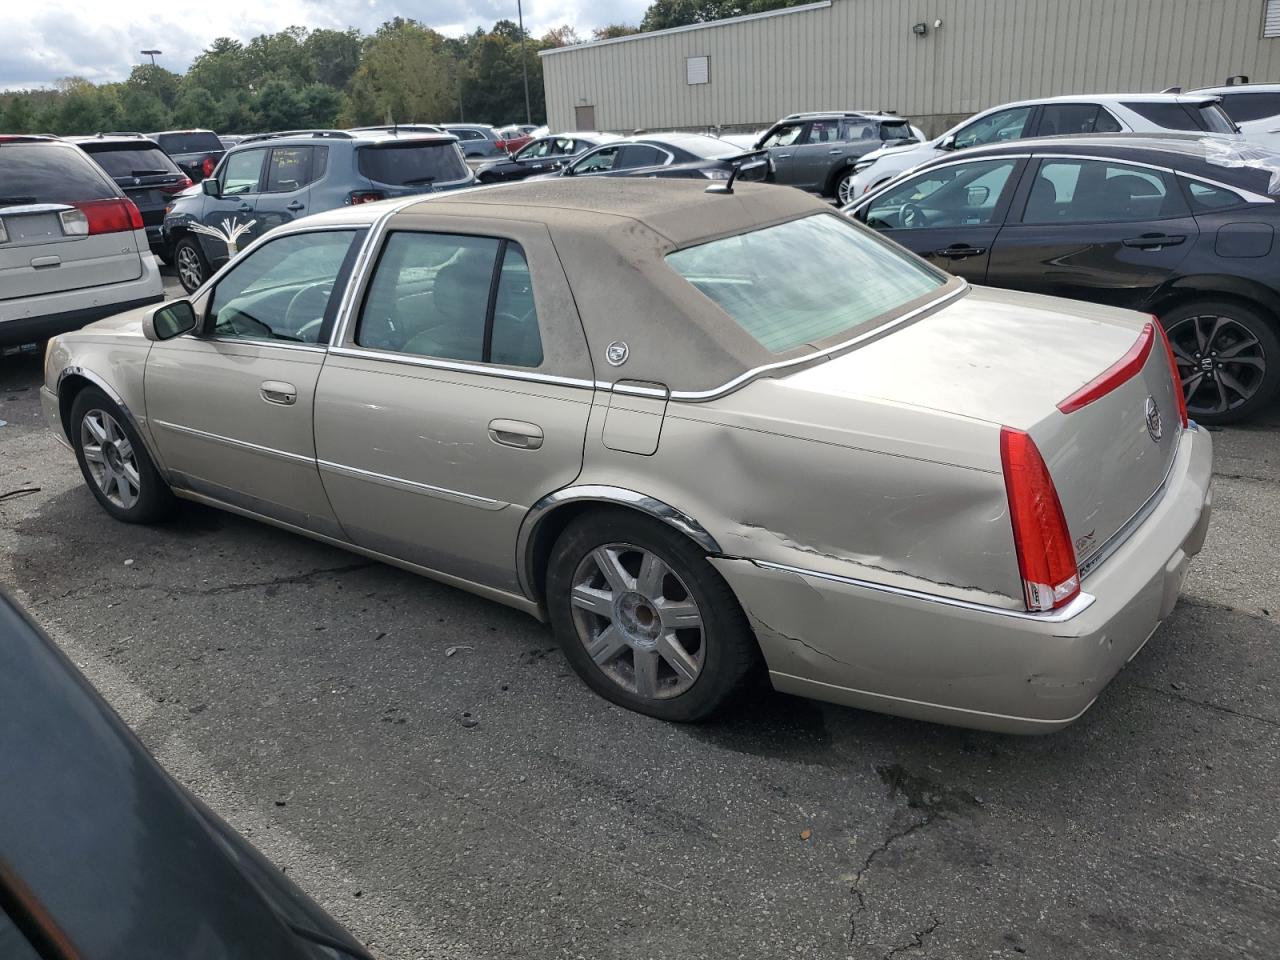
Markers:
32,329
932,658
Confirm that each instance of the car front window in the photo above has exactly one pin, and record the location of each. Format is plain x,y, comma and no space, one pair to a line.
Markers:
961,194
995,128
242,172
597,162
803,281
784,136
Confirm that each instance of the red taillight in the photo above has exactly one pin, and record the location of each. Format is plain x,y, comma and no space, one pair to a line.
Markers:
176,187
364,196
500,144
1173,372
103,216
1126,368
206,166
1046,557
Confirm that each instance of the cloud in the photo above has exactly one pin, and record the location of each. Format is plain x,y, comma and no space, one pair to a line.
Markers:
101,40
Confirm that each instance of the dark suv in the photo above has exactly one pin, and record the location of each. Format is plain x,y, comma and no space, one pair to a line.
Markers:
273,178
817,151
197,152
146,174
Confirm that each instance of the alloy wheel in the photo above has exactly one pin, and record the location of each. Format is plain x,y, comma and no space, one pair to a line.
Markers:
638,621
844,190
110,458
190,271
1220,362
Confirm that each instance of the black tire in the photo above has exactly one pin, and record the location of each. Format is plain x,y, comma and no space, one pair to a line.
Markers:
728,650
154,500
1228,356
189,258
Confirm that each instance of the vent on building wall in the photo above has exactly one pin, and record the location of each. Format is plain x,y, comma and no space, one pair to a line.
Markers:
1271,19
698,69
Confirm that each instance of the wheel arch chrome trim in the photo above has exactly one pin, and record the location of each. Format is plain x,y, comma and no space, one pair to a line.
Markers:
114,396
606,495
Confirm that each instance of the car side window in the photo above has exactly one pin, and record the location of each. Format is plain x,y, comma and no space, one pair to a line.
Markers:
995,128
1106,122
787,135
1244,107
640,155
243,173
1207,197
280,291
962,194
598,161
452,297
824,131
566,148
539,148
1062,119
1098,191
290,168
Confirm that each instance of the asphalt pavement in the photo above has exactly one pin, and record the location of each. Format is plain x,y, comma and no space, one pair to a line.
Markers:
425,764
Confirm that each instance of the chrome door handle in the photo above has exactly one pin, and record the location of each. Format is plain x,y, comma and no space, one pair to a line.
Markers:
783,156
516,433
277,391
835,152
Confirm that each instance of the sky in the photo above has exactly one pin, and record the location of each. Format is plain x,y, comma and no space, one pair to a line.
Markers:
100,39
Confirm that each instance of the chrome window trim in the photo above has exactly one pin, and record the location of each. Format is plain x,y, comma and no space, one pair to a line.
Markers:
850,209
462,366
1247,195
286,344
233,442
413,486
1073,609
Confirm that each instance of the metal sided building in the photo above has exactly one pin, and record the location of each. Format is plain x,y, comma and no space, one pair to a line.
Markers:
935,61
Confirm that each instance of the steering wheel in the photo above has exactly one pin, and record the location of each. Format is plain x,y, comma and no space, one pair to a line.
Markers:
912,216
306,309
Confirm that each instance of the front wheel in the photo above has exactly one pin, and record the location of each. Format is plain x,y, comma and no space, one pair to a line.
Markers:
193,268
645,620
114,461
845,191
1228,358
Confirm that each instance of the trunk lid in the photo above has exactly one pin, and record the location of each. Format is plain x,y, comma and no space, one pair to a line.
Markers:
39,258
1010,359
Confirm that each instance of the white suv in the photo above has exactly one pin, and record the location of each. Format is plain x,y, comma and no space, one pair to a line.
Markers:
1053,116
1255,107
72,246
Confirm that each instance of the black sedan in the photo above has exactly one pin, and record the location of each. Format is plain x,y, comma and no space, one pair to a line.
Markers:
1183,227
669,155
104,856
544,155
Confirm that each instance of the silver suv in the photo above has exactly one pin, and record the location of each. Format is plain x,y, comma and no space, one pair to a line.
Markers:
72,246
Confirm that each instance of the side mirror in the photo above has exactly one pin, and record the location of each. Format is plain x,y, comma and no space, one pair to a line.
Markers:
948,142
171,320
211,187
566,170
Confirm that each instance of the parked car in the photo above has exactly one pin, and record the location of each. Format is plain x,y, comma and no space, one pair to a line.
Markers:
145,173
1052,116
272,179
667,155
400,128
513,137
817,151
542,155
697,429
1255,108
104,855
73,247
197,152
229,140
477,139
1176,226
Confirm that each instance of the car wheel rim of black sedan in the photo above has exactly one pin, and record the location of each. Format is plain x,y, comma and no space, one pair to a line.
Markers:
1221,363
189,268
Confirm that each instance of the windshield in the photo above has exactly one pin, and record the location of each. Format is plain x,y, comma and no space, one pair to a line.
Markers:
194,142
49,173
412,163
130,160
806,280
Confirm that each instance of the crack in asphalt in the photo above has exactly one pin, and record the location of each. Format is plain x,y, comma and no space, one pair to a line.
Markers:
276,581
917,938
1207,704
860,905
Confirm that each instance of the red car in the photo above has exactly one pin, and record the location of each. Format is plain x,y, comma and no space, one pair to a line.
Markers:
514,137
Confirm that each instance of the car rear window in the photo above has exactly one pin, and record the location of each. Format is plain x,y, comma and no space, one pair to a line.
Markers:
803,281
1206,118
896,131
49,173
411,163
189,142
1244,107
127,160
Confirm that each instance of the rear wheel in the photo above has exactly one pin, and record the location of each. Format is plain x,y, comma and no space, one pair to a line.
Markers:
645,620
114,461
1228,358
193,268
844,191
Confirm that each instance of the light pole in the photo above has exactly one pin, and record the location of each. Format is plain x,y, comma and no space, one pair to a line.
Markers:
152,54
524,63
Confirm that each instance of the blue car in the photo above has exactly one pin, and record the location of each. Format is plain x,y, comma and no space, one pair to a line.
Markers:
273,178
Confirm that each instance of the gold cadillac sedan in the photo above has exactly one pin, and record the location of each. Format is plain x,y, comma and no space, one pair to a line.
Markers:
704,433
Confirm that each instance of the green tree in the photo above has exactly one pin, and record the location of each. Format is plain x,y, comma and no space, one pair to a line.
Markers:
613,30
663,14
161,83
333,56
142,110
196,107
234,113
321,105
406,73
562,36
277,56
279,106
220,67
19,117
